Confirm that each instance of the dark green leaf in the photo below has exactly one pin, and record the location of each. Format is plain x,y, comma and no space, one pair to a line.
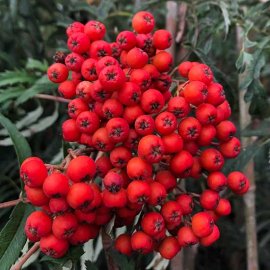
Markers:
37,65
122,261
90,265
12,237
14,77
20,144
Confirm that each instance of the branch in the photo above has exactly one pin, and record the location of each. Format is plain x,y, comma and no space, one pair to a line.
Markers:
25,257
10,203
50,97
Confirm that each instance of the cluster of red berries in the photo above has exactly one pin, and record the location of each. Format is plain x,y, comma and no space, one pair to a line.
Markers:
122,106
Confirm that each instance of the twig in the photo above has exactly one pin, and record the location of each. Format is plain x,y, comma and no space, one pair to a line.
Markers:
50,97
173,71
10,203
25,257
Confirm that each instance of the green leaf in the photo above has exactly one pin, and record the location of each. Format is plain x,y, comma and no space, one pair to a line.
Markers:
10,93
90,266
15,77
12,237
21,145
41,85
36,64
122,261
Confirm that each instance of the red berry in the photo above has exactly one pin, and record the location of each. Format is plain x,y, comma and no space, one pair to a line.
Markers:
184,68
162,39
216,94
206,114
231,148
212,160
209,199
118,129
152,223
123,244
116,199
143,22
139,169
173,143
223,208
53,247
37,225
87,122
189,129
138,192
171,212
167,179
165,123
141,242
210,239
56,185
237,182
169,247
186,237
137,58
81,168
36,196
75,27
202,224
186,203
178,106
126,40
95,30
67,89
57,73
83,233
70,131
58,205
88,69
152,101
80,196
217,181
225,130
201,73
181,163
158,194
151,148
102,141
129,94
163,61
195,92
99,49
33,172
78,42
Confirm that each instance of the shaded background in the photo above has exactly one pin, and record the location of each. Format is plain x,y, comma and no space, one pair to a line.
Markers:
231,36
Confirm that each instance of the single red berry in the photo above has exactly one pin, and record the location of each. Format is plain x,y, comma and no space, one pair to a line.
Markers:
138,192
87,122
56,185
210,239
216,181
75,27
89,70
78,43
37,225
103,165
158,194
206,114
173,143
81,168
179,107
165,123
201,73
113,181
212,160
131,113
209,199
139,169
83,217
75,107
223,208
169,248
152,223
152,101
74,61
116,50
189,129
181,163
70,131
115,199
143,22
58,205
95,30
57,73
123,244
126,40
141,242
184,68
238,182
141,77
195,92
231,148
171,212
118,129
67,89
202,224
102,141
186,203
137,58
225,130
207,135
33,172
99,49
163,61
36,196
186,237
80,196
129,94
83,233
120,156
52,246
216,94
144,125
167,179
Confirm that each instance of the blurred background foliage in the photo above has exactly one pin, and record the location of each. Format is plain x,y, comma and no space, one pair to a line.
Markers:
232,36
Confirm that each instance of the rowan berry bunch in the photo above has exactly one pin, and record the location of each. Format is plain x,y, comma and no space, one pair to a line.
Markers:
147,143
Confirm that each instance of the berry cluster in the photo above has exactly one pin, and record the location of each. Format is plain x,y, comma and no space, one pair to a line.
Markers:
149,141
